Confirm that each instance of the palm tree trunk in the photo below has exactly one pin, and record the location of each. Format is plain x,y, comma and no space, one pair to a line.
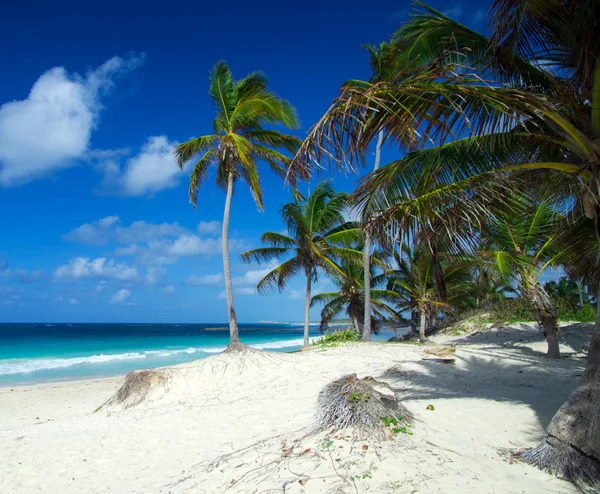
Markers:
356,324
234,336
366,336
422,326
307,309
550,324
546,319
572,447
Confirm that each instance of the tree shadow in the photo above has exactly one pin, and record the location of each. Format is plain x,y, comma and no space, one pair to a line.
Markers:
506,370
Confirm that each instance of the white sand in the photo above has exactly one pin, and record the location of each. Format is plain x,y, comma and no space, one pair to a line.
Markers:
497,397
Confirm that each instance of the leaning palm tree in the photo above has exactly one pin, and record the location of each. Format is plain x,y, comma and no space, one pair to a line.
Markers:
238,143
541,114
318,238
522,244
350,296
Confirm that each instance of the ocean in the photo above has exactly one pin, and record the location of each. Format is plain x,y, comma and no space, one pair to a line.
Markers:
44,352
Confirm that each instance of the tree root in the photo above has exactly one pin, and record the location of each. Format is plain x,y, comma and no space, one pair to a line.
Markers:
564,461
359,404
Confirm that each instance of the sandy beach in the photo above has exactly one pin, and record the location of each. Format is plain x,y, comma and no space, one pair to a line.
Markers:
229,424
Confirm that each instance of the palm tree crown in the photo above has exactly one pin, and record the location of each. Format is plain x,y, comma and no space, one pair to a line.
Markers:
317,233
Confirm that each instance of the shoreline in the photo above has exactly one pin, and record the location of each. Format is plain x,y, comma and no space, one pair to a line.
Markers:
241,412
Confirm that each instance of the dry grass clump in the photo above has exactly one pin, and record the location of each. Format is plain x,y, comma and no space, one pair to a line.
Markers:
366,406
136,387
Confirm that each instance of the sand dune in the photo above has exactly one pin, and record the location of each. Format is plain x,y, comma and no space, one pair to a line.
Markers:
240,423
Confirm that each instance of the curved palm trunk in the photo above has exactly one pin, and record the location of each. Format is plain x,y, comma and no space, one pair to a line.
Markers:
307,308
572,447
234,336
366,336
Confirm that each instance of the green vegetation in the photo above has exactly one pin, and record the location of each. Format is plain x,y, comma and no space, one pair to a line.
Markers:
333,339
318,238
496,182
240,140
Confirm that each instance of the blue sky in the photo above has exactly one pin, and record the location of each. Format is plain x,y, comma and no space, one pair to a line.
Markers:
96,223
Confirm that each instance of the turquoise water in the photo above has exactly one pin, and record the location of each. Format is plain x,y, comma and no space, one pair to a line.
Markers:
32,353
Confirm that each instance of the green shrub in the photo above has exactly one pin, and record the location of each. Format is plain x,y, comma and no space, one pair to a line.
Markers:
336,337
512,310
586,313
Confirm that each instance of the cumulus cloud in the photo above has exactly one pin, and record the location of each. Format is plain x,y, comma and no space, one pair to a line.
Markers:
253,276
120,297
169,290
83,267
109,229
51,128
74,301
150,171
154,274
191,245
207,279
209,227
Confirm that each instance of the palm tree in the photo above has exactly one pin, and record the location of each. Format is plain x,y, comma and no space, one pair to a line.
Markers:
317,235
382,69
238,142
542,115
522,244
567,290
414,281
351,297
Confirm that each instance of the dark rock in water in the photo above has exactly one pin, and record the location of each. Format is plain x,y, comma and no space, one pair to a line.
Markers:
216,329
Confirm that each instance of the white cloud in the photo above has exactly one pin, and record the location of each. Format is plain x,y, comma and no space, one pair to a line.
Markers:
252,277
191,245
100,286
207,279
154,274
51,128
209,227
152,170
246,290
120,297
83,267
74,301
169,290
108,229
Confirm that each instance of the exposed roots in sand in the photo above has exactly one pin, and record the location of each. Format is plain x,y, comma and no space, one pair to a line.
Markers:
366,406
187,382
562,460
136,387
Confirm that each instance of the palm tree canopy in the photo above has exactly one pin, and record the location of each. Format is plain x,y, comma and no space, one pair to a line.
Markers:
240,139
318,236
350,294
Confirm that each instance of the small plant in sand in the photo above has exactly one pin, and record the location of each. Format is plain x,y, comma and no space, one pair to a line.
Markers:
335,338
397,424
365,406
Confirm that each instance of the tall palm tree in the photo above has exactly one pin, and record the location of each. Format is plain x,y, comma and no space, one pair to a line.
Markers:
541,115
238,143
317,239
383,68
350,296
